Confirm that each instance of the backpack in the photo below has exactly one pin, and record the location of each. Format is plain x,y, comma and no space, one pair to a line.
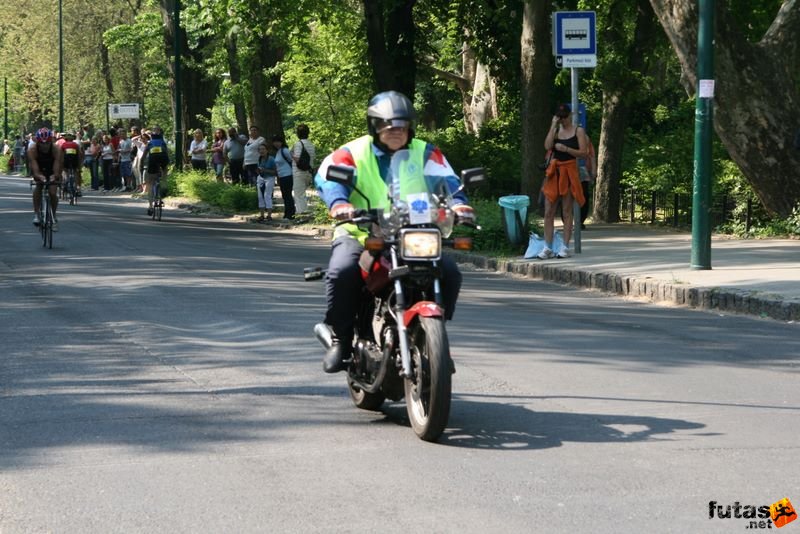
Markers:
304,161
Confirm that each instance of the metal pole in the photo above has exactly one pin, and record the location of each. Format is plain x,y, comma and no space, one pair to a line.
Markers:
176,26
5,108
576,208
703,128
60,70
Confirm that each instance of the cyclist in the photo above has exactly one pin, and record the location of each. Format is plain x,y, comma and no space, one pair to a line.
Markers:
46,161
73,156
157,161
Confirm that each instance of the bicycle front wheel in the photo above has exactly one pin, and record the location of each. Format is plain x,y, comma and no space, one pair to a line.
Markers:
47,225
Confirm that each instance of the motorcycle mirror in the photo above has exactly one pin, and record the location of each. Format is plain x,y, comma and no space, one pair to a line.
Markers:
340,174
473,176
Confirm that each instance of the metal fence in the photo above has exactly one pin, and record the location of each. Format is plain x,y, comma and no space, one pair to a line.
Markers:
675,209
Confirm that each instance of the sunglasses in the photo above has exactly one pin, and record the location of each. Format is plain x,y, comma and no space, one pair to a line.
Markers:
393,124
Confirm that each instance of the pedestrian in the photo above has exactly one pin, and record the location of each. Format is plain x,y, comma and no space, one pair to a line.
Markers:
107,162
251,155
302,177
19,152
233,150
197,151
283,160
136,152
587,168
90,154
562,180
116,177
265,183
142,158
217,154
125,163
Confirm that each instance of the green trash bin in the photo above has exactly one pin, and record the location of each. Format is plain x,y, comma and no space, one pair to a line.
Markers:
515,217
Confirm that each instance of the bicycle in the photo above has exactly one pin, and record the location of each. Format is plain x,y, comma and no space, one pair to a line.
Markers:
46,216
155,198
70,187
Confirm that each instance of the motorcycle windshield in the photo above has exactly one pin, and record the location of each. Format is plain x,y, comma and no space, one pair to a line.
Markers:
413,200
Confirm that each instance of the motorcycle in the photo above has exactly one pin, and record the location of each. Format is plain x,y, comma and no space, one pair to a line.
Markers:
400,345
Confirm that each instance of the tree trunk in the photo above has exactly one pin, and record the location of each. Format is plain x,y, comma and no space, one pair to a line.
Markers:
609,158
536,65
400,36
756,97
616,107
239,107
105,69
266,112
390,45
198,91
483,104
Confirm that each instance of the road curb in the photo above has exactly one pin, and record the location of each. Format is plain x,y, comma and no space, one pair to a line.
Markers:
723,299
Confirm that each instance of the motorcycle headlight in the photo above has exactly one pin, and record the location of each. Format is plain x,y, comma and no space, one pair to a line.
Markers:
420,244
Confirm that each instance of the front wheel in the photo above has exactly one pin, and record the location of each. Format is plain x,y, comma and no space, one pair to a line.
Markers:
428,395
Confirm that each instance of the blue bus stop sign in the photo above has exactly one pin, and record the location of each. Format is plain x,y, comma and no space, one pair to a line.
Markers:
574,33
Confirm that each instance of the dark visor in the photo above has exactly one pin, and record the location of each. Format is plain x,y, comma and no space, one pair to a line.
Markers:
381,125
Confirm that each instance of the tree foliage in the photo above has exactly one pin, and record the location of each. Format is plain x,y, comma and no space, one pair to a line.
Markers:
279,63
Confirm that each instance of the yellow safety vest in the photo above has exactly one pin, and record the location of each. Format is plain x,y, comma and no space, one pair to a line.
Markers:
372,186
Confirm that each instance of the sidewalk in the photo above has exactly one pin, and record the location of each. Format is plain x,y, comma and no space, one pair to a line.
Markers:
756,277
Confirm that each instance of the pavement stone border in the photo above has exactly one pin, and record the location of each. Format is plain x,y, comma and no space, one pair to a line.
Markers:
731,300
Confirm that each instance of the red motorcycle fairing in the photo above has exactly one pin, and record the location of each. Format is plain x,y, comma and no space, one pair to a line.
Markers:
424,308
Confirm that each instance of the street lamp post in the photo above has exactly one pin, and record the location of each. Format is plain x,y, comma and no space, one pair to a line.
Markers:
704,124
5,108
176,43
60,70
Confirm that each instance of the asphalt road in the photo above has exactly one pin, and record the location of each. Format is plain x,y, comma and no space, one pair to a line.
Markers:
162,377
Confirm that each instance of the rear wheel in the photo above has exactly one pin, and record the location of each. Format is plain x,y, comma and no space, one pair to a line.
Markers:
428,395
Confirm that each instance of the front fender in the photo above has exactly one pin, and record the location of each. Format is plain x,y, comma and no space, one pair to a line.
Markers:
424,308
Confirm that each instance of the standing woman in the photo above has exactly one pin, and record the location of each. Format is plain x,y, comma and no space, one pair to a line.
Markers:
251,155
107,161
265,183
90,152
197,151
283,160
217,153
302,178
568,142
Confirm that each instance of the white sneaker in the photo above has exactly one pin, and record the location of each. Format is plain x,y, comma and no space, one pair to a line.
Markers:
545,254
36,219
563,252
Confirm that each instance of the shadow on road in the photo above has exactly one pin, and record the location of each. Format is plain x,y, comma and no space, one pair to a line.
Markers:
501,425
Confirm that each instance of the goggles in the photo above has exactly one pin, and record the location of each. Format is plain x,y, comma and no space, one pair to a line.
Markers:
383,125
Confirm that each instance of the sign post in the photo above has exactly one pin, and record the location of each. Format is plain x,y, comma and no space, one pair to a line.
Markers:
123,111
575,47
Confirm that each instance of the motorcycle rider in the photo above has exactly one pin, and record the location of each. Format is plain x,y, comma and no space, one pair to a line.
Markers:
390,122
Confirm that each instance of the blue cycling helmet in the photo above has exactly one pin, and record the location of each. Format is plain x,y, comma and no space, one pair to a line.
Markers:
43,135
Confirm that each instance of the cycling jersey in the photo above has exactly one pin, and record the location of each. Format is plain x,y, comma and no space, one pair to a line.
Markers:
71,152
158,158
45,159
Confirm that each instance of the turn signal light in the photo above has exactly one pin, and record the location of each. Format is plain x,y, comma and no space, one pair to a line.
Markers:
374,243
462,243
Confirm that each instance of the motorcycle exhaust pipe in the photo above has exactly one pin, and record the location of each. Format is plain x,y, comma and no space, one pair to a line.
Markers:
324,335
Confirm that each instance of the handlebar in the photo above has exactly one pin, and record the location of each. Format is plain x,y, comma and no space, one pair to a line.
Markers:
360,216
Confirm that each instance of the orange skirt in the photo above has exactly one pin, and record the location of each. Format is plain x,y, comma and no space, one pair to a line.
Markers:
561,178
